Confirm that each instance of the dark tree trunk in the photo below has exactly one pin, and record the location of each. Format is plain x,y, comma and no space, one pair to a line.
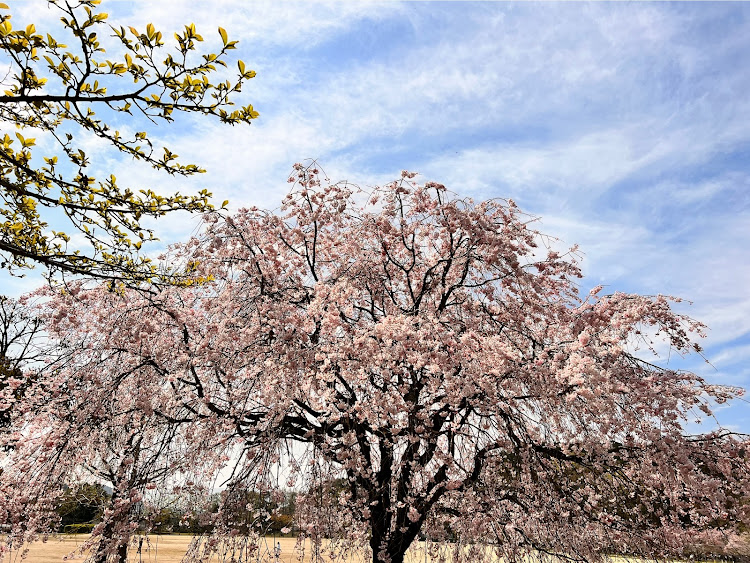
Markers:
394,552
379,529
108,539
393,531
393,544
111,543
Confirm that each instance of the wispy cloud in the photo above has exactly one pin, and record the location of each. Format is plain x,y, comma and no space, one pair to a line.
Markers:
624,126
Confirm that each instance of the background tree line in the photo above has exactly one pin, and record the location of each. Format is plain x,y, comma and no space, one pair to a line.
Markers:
82,507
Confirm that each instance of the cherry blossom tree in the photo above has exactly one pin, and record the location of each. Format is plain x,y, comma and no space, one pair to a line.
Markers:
96,412
440,357
435,356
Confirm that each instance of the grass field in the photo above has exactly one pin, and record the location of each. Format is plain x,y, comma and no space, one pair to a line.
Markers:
172,548
161,549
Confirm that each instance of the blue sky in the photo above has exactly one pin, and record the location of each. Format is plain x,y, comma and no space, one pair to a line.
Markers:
624,126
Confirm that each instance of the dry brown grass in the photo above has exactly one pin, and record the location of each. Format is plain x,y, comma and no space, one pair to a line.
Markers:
158,549
172,548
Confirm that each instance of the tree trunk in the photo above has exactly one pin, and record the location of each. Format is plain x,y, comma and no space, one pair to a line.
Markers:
392,545
391,555
105,543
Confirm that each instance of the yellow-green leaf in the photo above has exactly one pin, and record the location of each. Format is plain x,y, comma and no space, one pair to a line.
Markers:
223,34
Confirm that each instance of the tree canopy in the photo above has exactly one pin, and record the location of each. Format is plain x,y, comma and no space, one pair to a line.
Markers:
58,89
428,352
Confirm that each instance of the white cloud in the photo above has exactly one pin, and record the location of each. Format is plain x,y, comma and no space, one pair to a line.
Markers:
267,23
622,125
